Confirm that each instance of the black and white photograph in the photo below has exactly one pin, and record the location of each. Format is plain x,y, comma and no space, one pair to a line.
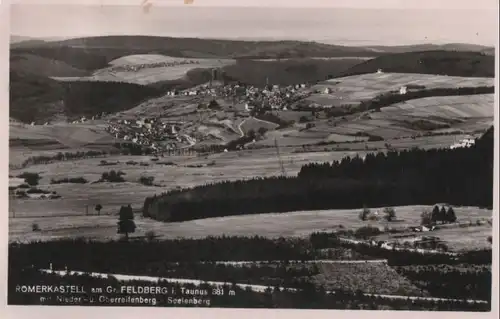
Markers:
328,155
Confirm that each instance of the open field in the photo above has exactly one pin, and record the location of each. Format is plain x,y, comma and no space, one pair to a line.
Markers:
375,278
137,59
223,166
467,114
447,107
356,88
253,124
270,225
148,74
459,238
27,141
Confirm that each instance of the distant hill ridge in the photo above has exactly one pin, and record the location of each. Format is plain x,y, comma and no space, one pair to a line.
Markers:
441,62
245,48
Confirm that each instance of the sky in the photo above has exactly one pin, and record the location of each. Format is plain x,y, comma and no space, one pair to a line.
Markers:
346,22
391,4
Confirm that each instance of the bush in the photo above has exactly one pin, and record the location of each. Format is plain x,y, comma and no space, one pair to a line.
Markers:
262,131
146,180
426,218
113,177
30,178
74,180
367,232
150,235
364,214
35,190
389,214
35,227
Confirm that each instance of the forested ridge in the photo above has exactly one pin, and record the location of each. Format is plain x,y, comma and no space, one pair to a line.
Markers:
462,176
309,297
40,99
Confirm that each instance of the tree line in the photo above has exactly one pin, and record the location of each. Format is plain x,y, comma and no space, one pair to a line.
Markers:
66,156
450,281
135,256
460,176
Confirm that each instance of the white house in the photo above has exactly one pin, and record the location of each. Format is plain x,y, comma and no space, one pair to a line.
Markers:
327,91
403,90
468,142
379,71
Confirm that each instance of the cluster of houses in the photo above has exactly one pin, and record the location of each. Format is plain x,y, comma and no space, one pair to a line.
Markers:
84,119
466,142
274,97
149,132
137,67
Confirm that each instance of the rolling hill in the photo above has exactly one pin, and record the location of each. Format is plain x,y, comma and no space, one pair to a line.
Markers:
96,52
40,66
451,63
40,99
435,47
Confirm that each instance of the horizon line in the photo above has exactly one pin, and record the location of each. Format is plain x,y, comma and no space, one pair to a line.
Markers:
243,39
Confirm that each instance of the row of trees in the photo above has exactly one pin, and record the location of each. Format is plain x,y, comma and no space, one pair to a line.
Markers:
409,177
136,256
439,215
389,214
66,156
67,180
112,177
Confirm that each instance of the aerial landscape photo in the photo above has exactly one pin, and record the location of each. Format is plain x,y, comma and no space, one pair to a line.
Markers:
260,157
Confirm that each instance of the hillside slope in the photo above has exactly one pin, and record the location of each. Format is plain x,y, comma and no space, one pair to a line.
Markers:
40,99
467,64
220,48
40,66
96,52
435,47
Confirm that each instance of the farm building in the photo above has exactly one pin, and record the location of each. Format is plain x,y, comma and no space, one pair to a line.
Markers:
403,90
468,142
248,107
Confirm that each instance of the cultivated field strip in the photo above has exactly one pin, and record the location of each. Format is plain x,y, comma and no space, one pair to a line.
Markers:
148,74
466,106
255,288
356,88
